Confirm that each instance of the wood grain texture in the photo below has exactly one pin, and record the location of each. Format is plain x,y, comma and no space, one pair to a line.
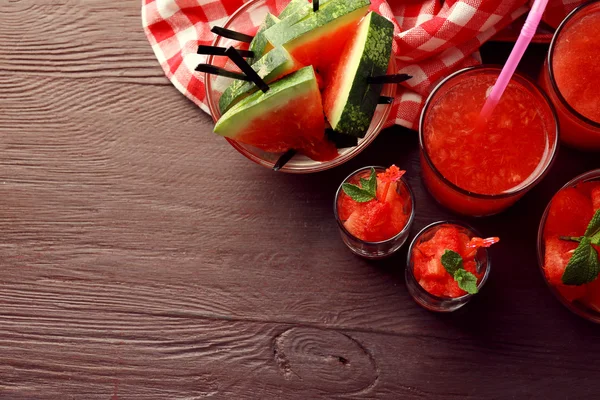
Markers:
142,258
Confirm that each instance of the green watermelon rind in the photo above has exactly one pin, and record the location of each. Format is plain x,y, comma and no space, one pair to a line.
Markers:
280,93
362,98
292,7
279,29
271,66
316,24
259,43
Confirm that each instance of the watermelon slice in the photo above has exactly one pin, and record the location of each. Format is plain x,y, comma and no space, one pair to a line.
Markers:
349,101
288,116
319,38
570,213
273,66
260,42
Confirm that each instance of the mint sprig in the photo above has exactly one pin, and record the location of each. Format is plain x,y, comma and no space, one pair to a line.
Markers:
367,190
453,263
584,266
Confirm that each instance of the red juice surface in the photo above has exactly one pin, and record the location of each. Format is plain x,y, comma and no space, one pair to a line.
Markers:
576,65
504,154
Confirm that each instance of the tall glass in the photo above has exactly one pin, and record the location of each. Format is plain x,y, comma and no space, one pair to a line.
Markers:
576,129
469,200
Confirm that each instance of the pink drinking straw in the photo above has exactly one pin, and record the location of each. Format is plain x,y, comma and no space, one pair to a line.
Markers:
529,28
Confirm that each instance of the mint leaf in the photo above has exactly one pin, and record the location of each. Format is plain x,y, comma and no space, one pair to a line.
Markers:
466,281
595,239
356,193
452,261
583,267
370,185
367,190
594,225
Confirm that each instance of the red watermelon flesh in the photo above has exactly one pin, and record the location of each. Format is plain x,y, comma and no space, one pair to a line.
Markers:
557,255
446,238
288,116
570,213
371,222
324,53
427,264
596,198
587,187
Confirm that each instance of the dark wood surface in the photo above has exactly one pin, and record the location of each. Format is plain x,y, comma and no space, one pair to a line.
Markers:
143,258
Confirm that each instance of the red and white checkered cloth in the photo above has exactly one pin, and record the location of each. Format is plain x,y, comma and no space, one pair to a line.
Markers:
432,39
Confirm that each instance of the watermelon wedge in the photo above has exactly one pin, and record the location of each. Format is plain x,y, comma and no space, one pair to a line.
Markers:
319,38
259,43
349,101
288,116
274,65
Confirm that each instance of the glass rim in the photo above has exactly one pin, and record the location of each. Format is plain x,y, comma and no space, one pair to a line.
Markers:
503,195
389,90
587,314
550,66
461,224
393,238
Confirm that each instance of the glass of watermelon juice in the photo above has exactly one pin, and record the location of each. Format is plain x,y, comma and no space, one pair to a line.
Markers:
244,20
429,284
568,215
571,74
483,171
378,228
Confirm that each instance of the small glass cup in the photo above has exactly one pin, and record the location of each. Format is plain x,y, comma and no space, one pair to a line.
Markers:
576,130
461,200
383,249
422,296
256,10
573,306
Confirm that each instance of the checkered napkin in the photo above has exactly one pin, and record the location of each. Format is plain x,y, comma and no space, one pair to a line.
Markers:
432,39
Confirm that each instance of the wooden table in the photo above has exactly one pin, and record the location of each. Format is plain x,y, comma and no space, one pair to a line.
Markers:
143,258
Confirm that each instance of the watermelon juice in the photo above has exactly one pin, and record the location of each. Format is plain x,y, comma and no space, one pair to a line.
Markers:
483,171
428,281
571,77
375,227
567,216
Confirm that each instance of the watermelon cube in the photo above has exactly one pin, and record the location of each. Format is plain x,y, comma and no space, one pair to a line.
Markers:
452,289
557,255
435,287
369,222
570,213
596,198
